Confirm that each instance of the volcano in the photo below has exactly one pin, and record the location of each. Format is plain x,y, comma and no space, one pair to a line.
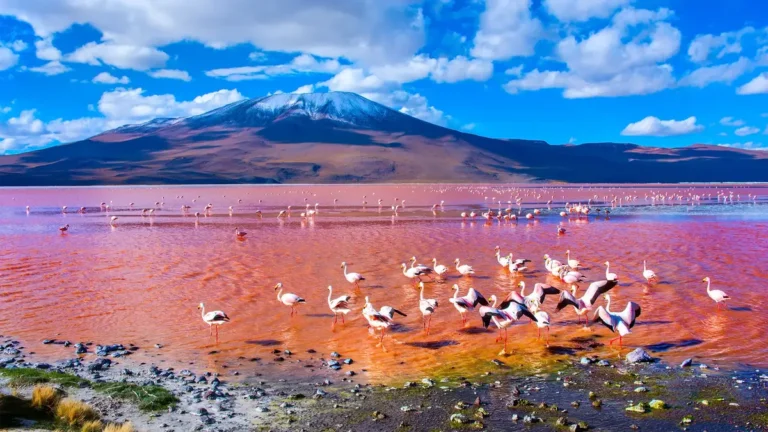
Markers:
341,137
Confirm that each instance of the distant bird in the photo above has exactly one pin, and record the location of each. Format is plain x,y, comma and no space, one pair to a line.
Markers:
339,305
425,269
427,308
608,274
468,302
353,278
560,229
572,263
585,303
288,299
716,295
113,220
502,260
619,322
64,228
27,209
380,320
464,270
64,209
648,274
439,268
517,265
281,214
212,318
240,234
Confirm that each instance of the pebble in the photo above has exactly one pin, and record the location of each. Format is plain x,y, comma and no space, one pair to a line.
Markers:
687,362
639,356
459,418
585,361
641,389
335,355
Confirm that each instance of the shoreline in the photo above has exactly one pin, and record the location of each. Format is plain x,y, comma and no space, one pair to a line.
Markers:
587,393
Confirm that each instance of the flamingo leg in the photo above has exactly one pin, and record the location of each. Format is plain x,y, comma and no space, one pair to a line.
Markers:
505,340
547,336
342,319
217,334
335,317
429,324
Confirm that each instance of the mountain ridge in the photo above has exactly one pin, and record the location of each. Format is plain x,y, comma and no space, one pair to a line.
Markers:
343,137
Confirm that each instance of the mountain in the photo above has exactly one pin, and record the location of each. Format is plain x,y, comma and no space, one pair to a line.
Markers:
342,137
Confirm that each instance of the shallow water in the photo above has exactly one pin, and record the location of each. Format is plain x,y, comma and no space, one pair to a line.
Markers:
141,280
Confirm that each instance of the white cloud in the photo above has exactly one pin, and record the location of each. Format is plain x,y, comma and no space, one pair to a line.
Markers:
725,73
725,43
469,126
171,74
355,80
572,140
108,78
309,88
18,45
625,58
417,106
257,56
746,130
300,64
439,70
653,126
5,109
51,68
44,50
730,121
507,30
8,58
372,31
749,145
118,107
758,85
583,10
119,55
514,71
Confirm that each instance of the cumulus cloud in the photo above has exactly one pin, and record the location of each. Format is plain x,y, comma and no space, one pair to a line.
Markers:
8,58
613,61
108,78
44,49
746,130
723,44
653,126
730,121
439,70
303,63
725,73
749,145
309,88
171,74
18,45
507,30
51,68
758,85
371,31
583,10
118,55
117,107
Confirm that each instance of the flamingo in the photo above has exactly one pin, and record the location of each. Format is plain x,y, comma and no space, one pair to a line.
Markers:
411,273
339,305
64,228
539,293
502,260
422,267
240,234
112,220
608,274
648,274
542,321
380,320
572,263
288,299
508,312
427,308
439,268
560,230
716,295
353,278
585,303
214,317
617,321
468,302
464,270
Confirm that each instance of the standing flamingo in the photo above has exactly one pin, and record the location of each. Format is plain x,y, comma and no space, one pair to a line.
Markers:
288,299
353,278
213,318
468,302
339,305
648,274
619,322
427,308
716,295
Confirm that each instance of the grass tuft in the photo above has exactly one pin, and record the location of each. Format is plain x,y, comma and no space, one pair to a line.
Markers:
148,398
125,427
45,397
24,377
75,413
92,426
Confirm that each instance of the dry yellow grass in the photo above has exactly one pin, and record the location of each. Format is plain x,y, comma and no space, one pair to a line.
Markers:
45,396
92,426
75,412
125,427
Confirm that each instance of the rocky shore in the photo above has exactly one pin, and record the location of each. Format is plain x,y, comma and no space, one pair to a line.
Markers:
633,392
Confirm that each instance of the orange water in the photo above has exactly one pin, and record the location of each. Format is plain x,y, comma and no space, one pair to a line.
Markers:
141,280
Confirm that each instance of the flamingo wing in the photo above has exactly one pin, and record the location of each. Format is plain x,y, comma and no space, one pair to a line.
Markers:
630,313
598,288
604,317
566,299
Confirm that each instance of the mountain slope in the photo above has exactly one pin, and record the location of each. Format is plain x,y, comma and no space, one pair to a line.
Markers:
343,137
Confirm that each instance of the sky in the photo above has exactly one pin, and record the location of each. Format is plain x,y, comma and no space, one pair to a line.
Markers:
658,73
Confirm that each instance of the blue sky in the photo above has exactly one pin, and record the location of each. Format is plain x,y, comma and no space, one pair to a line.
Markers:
659,73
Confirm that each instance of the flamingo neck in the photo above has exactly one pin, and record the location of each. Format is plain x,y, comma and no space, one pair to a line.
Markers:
644,268
456,293
345,269
279,292
708,284
202,311
330,292
522,289
421,293
607,269
608,305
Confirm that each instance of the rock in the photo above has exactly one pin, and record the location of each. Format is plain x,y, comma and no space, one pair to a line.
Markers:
657,404
6,361
335,355
43,366
409,384
515,417
641,389
100,364
406,408
11,351
80,348
350,373
428,382
575,404
578,427
592,395
262,409
102,350
585,361
200,412
481,413
348,361
687,420
603,363
287,352
319,394
378,415
597,403
639,356
459,418
639,408
48,341
201,379
71,363
562,421
687,362
530,419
